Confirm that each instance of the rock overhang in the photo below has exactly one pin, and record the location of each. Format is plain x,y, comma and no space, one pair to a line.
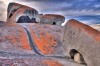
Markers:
16,10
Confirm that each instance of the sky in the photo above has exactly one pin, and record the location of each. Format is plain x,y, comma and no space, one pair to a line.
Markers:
86,11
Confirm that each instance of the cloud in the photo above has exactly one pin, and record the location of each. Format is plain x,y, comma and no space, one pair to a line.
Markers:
66,7
97,6
2,11
63,6
87,19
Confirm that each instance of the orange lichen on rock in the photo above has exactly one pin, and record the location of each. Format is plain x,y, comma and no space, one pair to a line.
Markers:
16,36
51,63
94,33
46,42
11,38
24,41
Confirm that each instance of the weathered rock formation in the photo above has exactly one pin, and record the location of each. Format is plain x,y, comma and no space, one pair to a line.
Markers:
52,19
83,39
43,39
27,43
16,11
19,13
32,44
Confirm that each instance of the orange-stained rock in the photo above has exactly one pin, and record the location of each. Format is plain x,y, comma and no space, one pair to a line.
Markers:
46,42
52,19
13,37
47,38
41,39
51,63
84,39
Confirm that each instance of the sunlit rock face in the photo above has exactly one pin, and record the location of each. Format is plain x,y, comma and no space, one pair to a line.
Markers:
84,39
52,19
16,12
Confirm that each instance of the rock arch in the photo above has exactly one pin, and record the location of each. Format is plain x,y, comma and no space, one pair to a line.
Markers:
84,39
16,10
76,56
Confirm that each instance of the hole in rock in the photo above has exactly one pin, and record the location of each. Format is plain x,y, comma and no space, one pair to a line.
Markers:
77,57
26,19
54,23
